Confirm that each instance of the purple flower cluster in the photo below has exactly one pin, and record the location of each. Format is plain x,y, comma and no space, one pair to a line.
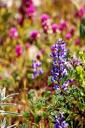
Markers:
37,69
59,57
59,122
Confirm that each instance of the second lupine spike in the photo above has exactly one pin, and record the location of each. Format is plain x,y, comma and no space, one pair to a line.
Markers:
37,68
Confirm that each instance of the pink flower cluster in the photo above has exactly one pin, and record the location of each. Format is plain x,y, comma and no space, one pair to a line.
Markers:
34,35
80,13
19,50
13,33
26,10
46,23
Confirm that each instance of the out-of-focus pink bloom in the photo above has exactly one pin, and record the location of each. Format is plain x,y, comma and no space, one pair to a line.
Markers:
30,11
1,78
19,50
27,45
20,20
34,35
13,33
62,25
54,28
72,30
44,17
27,2
77,41
46,23
80,13
68,36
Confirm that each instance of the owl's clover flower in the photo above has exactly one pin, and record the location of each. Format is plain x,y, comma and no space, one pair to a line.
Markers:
34,34
19,50
46,23
37,68
13,33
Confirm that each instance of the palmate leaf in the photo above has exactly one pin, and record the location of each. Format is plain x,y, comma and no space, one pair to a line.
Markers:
82,29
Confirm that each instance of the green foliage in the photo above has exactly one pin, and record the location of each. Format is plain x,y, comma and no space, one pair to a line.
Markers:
37,118
82,28
23,126
49,81
26,114
80,75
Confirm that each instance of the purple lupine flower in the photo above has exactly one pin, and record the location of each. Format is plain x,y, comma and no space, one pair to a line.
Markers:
34,34
18,50
59,57
60,122
13,33
37,68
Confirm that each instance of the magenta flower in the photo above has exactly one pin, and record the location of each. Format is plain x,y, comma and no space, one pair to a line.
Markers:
34,34
27,45
27,2
20,20
13,33
62,25
44,17
30,11
54,28
72,30
68,36
46,23
77,41
19,50
80,13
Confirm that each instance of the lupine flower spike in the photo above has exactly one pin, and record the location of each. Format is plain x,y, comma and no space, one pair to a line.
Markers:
37,68
59,122
59,69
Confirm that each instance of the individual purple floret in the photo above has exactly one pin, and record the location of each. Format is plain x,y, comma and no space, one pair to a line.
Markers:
59,122
37,69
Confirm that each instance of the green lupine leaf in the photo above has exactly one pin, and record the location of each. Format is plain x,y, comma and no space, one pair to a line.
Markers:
49,81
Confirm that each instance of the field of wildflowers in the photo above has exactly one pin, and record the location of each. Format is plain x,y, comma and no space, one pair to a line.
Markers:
42,64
